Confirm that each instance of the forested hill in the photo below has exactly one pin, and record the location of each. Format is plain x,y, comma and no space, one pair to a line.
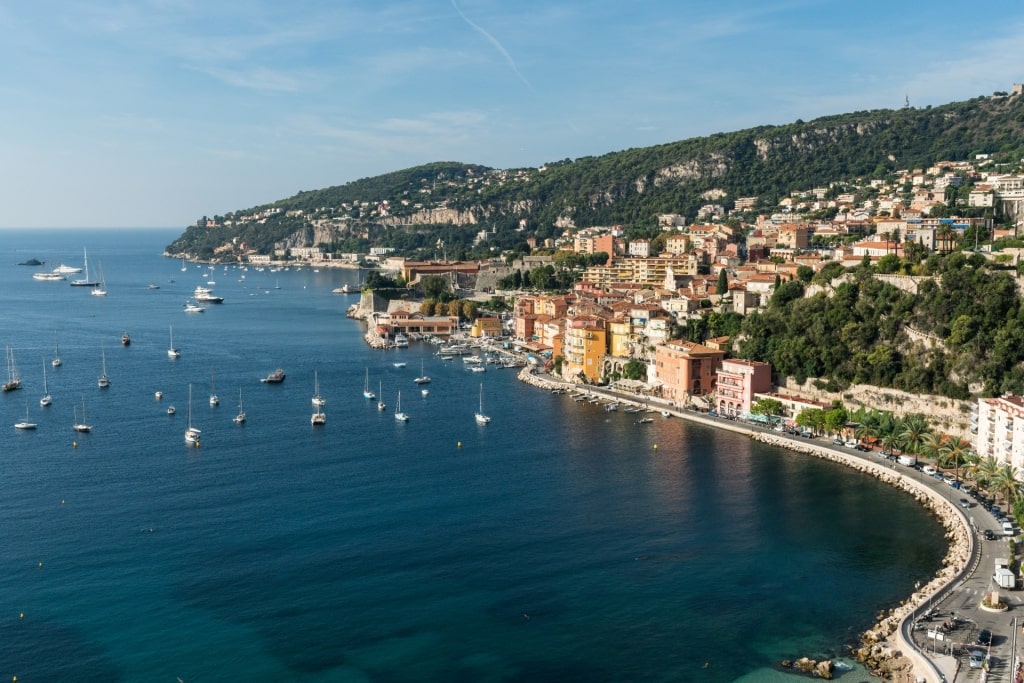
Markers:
632,187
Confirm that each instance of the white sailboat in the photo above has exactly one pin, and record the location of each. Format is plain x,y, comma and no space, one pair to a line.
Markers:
46,400
367,394
240,418
84,281
100,288
380,392
192,434
318,400
214,401
173,352
56,362
104,381
422,379
183,266
82,426
13,378
25,424
481,417
399,415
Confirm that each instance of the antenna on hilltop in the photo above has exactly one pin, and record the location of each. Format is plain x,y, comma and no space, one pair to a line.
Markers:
906,101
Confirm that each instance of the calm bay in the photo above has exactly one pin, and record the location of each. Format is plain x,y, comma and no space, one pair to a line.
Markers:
559,542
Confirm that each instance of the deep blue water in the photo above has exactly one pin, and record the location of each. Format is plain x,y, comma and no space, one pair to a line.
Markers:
555,544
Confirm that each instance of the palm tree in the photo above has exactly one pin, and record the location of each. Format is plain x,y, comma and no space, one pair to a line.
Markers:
985,472
915,430
1007,484
954,451
931,444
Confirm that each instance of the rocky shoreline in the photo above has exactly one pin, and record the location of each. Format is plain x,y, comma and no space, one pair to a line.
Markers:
881,646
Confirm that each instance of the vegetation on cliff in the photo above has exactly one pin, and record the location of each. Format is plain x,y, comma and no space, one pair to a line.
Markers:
630,187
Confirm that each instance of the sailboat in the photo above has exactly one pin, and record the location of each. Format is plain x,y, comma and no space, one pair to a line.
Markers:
85,281
56,353
82,426
214,401
367,394
171,351
46,400
399,415
380,404
481,417
422,379
318,400
104,381
192,434
13,378
240,418
25,424
183,266
100,288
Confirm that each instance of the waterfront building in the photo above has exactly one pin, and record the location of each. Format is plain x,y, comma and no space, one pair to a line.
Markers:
684,370
486,327
585,343
1001,429
737,383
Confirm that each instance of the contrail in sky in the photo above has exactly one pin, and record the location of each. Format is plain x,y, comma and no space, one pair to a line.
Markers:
495,43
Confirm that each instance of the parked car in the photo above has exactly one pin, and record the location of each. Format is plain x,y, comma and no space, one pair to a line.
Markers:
990,535
976,659
964,503
984,637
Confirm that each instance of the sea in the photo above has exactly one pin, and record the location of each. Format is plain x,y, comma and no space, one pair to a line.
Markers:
560,542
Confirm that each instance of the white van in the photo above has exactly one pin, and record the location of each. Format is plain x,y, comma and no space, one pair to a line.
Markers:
1008,529
928,469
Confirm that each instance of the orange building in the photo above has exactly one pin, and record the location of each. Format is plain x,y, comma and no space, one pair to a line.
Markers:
686,369
584,344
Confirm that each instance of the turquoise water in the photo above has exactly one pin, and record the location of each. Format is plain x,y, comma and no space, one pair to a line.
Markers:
556,543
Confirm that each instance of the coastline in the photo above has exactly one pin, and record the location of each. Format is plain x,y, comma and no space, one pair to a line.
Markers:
886,648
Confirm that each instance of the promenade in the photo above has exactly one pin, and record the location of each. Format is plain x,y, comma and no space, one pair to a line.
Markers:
930,636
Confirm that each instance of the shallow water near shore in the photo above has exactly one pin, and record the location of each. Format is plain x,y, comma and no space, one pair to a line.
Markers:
559,542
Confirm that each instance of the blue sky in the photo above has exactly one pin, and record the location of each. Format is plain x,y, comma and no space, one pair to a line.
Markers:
154,112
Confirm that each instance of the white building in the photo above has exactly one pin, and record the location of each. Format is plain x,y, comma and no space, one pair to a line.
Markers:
1001,429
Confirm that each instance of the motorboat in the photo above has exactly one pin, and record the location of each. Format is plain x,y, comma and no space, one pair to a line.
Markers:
401,341
193,308
276,377
126,340
206,296
50,276
192,434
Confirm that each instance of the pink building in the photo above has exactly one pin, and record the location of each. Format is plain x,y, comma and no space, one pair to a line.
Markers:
738,381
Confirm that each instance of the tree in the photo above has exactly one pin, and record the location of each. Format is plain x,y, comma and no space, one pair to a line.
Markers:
770,407
427,307
470,310
1006,483
454,307
635,369
954,452
805,273
433,286
723,282
912,435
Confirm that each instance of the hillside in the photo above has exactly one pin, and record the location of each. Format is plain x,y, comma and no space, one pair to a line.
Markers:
453,201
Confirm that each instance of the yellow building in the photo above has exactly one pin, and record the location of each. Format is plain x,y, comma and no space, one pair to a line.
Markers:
585,343
620,333
486,327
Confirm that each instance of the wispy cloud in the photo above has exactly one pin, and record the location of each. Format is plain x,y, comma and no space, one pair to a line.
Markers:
257,78
494,41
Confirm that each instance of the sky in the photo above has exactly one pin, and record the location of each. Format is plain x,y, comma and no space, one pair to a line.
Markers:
147,113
